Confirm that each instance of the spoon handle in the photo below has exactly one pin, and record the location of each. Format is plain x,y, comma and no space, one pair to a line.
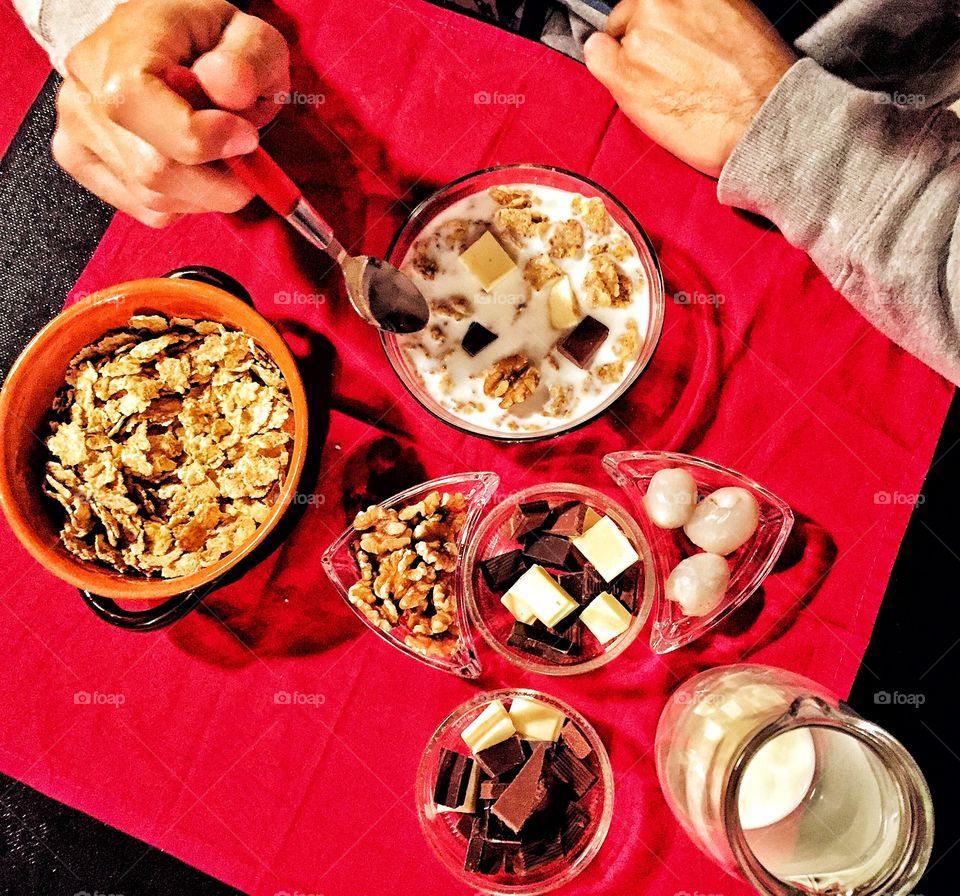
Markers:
259,171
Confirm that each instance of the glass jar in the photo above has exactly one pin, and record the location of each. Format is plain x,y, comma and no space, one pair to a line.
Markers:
781,783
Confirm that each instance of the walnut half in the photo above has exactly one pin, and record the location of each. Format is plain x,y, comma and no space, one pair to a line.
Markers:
512,379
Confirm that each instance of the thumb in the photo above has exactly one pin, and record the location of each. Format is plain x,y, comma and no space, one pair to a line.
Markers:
248,72
601,53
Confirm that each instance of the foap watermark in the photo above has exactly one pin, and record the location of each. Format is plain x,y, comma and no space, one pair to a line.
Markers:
95,698
309,500
501,298
896,98
102,98
695,893
295,893
495,98
899,498
295,297
896,698
296,698
95,893
698,298
296,98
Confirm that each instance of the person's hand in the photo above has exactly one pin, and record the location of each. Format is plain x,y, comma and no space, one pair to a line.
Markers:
692,74
130,139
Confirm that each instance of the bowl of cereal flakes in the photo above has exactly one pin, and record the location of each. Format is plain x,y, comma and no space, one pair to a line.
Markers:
546,302
151,436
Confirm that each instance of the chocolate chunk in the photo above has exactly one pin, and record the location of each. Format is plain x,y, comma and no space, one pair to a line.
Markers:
541,642
583,585
575,824
568,520
482,856
583,342
453,779
573,740
491,790
501,757
527,518
572,771
495,831
534,855
624,587
522,797
503,570
553,551
465,824
476,339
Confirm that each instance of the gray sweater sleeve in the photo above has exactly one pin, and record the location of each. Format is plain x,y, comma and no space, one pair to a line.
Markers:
872,192
58,25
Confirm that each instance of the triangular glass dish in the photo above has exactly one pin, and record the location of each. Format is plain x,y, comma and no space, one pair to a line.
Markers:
749,564
340,564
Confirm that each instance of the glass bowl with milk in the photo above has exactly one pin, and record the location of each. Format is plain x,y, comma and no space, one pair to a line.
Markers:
546,301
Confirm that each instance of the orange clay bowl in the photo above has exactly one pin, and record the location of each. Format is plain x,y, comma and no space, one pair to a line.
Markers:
39,372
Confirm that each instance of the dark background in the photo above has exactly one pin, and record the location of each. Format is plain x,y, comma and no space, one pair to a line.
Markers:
47,849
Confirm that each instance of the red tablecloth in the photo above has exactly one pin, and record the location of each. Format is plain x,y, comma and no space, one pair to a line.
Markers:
186,746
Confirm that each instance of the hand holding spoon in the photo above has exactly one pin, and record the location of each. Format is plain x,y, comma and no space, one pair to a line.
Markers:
382,295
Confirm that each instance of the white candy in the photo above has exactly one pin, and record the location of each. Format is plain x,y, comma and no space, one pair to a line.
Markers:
699,583
724,520
670,499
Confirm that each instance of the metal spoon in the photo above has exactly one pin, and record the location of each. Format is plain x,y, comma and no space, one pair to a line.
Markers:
380,294
383,296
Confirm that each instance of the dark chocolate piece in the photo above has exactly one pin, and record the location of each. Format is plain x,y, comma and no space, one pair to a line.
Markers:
527,518
624,587
534,855
465,824
583,585
568,520
573,740
503,570
491,790
553,551
476,339
583,342
502,757
482,856
541,642
574,825
453,779
579,776
495,831
522,797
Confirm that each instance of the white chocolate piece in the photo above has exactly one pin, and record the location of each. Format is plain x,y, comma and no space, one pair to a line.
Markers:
469,804
518,607
724,520
606,617
698,583
537,590
563,305
671,498
535,720
590,519
607,548
487,260
777,780
489,728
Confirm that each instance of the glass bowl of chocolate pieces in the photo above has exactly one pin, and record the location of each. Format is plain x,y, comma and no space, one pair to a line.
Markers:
558,579
515,792
546,302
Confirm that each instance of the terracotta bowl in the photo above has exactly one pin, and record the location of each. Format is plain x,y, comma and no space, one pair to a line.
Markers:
39,372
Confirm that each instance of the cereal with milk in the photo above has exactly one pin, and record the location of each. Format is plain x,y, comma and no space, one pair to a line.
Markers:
539,306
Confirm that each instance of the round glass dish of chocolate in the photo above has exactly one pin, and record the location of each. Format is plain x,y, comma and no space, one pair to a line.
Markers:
546,302
558,579
515,792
